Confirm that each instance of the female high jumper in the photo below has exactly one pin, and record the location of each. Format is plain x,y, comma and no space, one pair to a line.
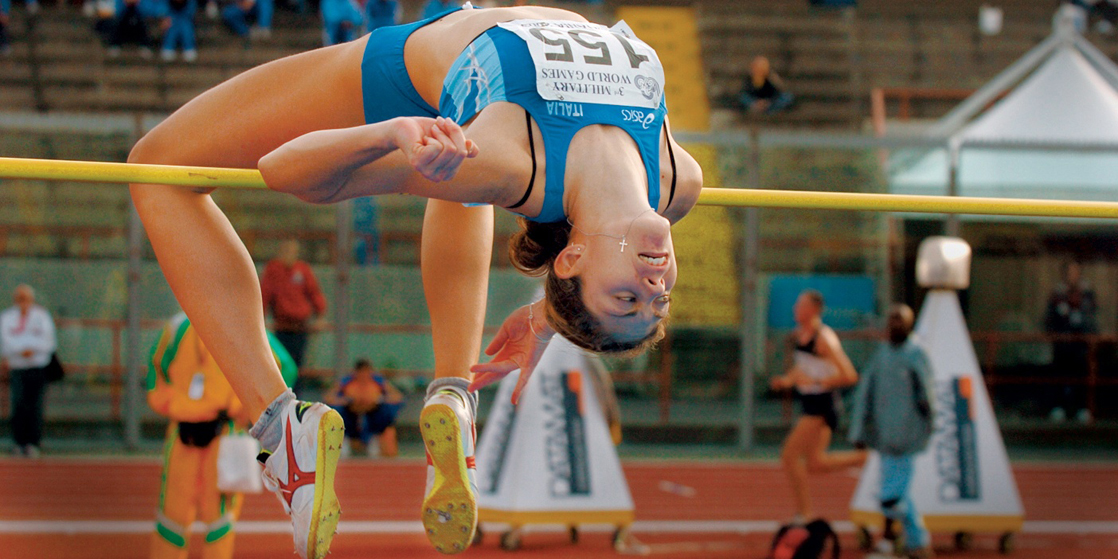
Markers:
566,127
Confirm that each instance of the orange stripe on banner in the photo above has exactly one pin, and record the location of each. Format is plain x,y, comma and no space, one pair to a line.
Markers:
966,390
471,462
574,384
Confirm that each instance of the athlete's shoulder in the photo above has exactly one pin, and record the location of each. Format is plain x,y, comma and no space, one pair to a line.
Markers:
689,184
827,341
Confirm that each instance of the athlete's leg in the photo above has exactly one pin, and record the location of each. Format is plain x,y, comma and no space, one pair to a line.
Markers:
457,247
792,457
820,461
389,447
204,261
456,251
214,279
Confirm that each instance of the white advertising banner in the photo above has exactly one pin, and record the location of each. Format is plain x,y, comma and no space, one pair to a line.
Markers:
551,459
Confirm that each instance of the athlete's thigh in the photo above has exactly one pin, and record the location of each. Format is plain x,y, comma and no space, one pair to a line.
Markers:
821,439
239,121
801,437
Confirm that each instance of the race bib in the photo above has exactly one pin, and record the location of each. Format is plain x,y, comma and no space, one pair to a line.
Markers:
588,63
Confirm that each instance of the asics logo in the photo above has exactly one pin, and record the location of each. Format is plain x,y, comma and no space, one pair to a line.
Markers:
640,117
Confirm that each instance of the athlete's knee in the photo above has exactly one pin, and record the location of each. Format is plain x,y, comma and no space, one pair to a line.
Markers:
152,150
816,464
149,150
789,457
145,152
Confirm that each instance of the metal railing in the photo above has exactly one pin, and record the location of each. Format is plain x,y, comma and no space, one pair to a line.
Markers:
659,374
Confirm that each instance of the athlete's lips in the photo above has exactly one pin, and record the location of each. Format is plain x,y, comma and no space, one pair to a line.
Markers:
655,259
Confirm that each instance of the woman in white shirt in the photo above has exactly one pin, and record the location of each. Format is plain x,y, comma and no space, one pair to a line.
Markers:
26,343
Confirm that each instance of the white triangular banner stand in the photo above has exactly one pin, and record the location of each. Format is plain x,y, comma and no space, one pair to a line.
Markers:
550,460
962,482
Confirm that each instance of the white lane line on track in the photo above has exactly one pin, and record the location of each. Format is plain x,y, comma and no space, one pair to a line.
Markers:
1057,527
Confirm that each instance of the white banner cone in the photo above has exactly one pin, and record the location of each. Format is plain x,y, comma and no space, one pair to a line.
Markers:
550,460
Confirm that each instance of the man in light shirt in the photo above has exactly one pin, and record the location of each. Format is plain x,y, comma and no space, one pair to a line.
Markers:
26,344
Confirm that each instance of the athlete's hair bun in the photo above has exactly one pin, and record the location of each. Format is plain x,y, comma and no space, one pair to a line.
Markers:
536,245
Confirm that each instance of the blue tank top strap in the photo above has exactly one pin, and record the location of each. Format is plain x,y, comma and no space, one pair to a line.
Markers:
497,66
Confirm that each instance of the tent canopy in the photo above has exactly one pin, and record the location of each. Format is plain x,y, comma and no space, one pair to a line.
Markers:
1062,92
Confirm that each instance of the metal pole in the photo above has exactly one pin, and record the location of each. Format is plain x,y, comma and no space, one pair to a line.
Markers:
134,359
751,237
343,253
951,228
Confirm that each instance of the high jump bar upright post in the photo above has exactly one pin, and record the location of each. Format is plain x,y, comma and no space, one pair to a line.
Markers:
212,177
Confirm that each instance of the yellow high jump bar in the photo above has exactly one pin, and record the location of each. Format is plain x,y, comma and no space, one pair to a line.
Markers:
212,177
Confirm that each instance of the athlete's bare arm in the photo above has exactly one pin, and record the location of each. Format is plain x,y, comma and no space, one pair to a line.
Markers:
787,381
334,165
689,178
830,348
320,166
688,185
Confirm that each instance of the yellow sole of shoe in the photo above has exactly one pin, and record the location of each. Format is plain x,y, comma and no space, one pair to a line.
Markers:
450,510
331,431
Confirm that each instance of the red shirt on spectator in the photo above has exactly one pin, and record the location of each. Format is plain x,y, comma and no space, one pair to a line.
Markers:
292,294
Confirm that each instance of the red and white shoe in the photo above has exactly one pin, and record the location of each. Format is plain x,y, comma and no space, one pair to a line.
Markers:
450,505
301,473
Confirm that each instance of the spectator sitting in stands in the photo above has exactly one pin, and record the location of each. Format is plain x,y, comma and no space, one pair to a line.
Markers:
130,28
341,21
381,13
763,91
104,14
240,14
435,7
368,404
5,9
178,28
31,5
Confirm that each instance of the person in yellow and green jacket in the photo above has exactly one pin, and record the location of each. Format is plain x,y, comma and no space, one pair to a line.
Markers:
185,385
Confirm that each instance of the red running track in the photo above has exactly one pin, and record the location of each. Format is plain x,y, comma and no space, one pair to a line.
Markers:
127,490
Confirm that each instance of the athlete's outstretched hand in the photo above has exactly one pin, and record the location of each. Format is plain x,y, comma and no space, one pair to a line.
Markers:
518,345
435,147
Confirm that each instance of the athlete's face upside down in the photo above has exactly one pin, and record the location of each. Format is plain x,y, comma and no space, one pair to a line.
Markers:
626,288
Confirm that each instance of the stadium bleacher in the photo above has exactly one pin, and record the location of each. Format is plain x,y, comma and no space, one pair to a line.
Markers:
831,58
